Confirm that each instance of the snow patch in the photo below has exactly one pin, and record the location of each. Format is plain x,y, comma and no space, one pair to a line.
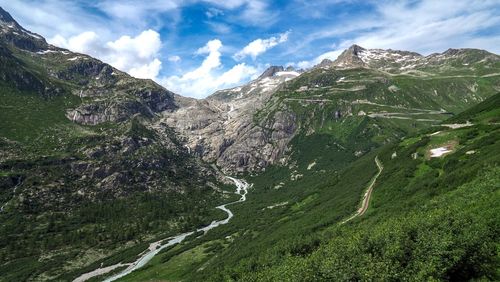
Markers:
438,152
311,165
46,52
277,205
282,73
33,35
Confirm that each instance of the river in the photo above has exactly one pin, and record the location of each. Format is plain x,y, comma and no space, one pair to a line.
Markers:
155,247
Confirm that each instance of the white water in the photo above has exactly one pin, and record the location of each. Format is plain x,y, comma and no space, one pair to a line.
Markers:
14,194
241,189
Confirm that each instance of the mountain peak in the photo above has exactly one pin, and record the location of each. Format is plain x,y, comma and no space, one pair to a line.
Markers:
12,32
350,57
271,71
355,49
5,17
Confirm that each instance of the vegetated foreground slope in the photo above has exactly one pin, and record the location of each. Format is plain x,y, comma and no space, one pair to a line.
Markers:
84,174
428,218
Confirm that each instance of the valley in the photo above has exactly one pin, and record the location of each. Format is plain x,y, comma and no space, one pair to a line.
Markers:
379,165
158,246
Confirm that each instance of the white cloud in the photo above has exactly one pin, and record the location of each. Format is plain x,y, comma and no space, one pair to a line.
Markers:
208,78
259,46
79,43
330,55
213,12
174,59
132,11
150,70
136,55
219,27
254,12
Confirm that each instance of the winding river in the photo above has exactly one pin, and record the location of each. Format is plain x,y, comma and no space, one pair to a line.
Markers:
155,247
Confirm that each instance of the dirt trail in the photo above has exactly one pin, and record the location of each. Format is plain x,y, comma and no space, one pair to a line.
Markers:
368,193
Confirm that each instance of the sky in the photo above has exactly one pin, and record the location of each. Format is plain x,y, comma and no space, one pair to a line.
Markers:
195,47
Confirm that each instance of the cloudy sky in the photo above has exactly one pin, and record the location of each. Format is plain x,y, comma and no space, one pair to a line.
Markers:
195,47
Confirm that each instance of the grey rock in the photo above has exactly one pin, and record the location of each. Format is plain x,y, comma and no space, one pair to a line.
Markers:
271,71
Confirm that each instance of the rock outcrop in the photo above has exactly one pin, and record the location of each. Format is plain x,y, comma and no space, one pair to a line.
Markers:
223,129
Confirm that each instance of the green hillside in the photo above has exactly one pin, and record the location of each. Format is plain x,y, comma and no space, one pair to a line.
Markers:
428,218
84,177
91,174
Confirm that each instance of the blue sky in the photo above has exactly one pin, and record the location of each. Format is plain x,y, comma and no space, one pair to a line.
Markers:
195,47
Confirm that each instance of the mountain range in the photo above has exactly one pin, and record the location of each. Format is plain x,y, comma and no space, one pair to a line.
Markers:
95,165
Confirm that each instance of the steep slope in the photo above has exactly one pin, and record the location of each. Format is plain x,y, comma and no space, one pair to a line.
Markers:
389,93
85,172
342,119
95,164
221,128
429,217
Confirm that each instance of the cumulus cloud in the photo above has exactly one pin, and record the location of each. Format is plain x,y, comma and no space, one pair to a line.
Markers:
150,70
136,55
259,46
208,77
79,43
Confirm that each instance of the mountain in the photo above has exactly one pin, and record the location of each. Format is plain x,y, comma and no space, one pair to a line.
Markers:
222,128
452,61
95,165
250,127
432,214
85,171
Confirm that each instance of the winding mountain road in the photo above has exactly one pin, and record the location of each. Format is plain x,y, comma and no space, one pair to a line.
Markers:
155,247
368,193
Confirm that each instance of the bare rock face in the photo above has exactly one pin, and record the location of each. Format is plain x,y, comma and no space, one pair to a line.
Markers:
350,58
99,112
115,95
271,71
12,32
223,128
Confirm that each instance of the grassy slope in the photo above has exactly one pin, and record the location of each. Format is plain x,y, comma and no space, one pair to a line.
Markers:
301,202
298,204
486,111
428,218
58,222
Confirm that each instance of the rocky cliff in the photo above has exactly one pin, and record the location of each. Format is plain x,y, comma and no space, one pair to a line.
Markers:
222,127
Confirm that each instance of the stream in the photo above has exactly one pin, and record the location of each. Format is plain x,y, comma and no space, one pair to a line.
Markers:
155,247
